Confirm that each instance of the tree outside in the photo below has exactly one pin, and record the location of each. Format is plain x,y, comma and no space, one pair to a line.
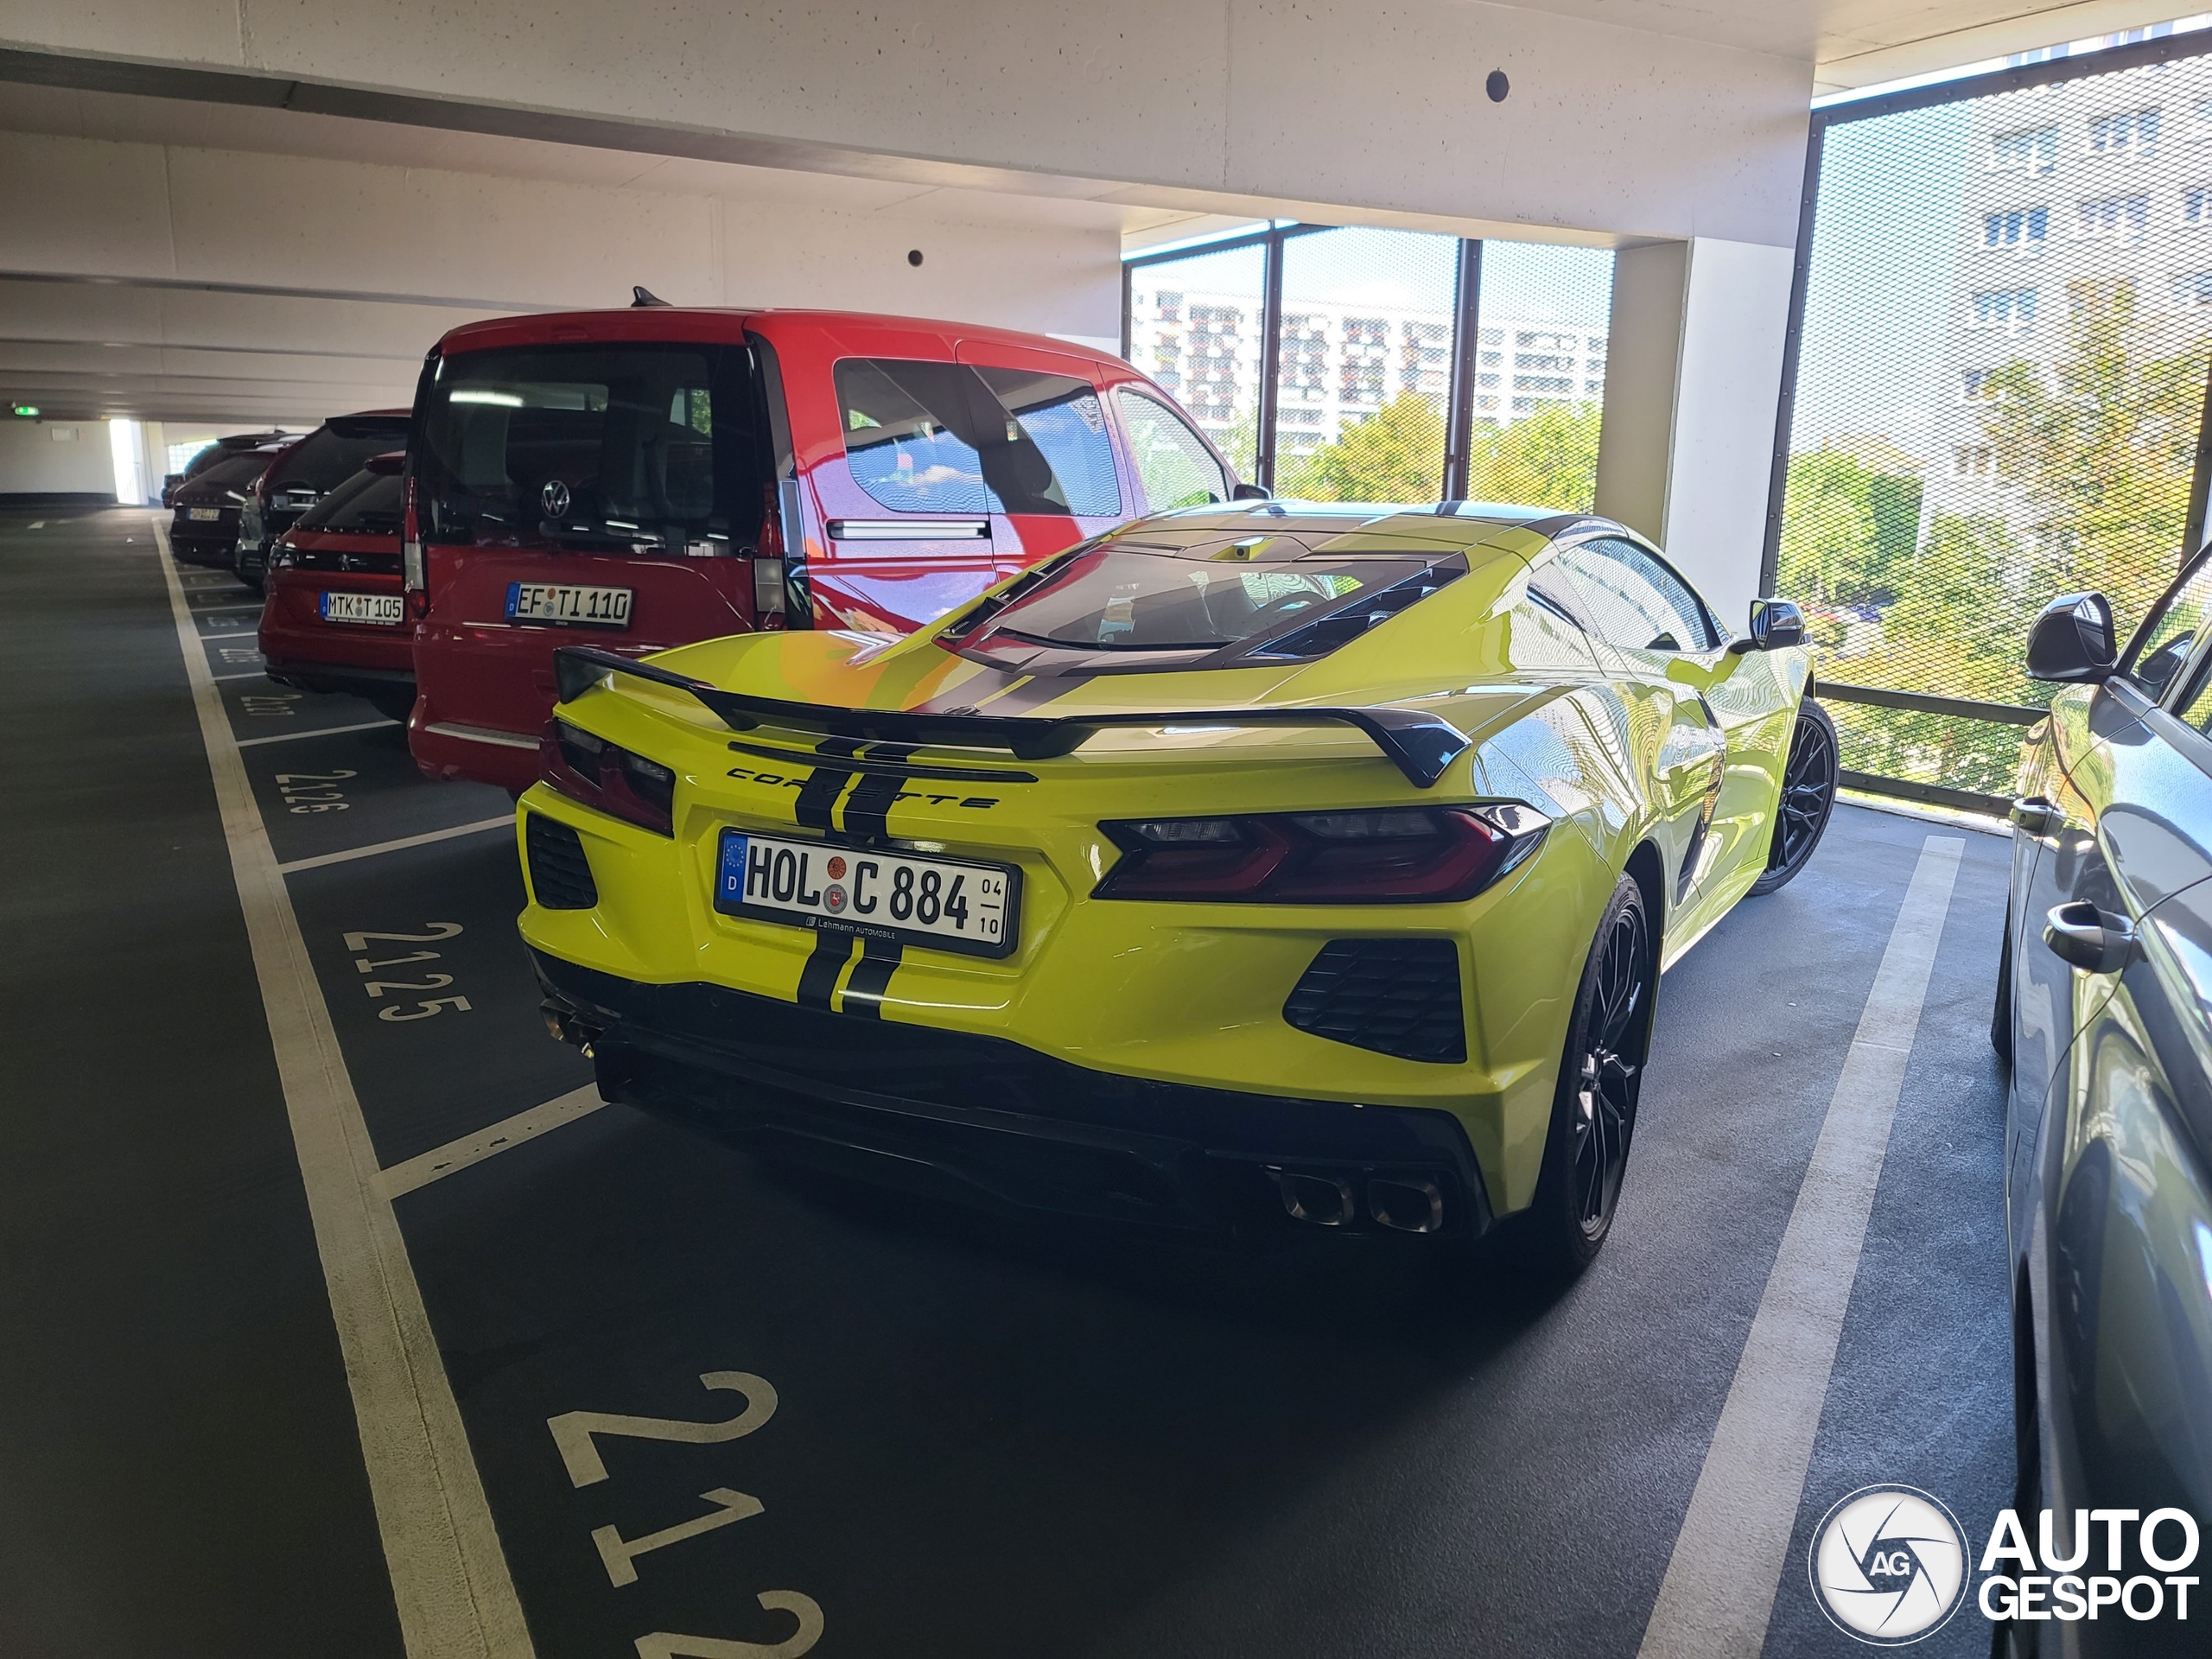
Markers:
1547,459
2098,455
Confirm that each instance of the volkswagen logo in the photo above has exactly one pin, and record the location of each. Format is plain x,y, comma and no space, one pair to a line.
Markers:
555,496
1889,1565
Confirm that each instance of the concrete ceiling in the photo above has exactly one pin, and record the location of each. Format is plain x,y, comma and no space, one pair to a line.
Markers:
1854,44
85,343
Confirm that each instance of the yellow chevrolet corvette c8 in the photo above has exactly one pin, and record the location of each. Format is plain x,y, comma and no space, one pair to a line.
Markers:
1267,866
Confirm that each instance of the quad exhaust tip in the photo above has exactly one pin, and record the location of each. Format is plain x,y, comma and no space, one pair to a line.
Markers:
1402,1203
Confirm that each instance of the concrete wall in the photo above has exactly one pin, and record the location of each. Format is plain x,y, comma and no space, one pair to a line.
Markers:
378,261
1369,107
33,462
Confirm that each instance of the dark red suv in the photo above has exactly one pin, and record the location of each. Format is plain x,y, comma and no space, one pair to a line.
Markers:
646,478
335,620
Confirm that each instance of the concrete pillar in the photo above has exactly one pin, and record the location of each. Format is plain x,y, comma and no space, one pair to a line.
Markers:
1692,384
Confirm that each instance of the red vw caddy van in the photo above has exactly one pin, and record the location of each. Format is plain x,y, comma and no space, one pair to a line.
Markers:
650,477
335,618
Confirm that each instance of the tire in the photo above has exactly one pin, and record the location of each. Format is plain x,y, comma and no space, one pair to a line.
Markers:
1807,799
2000,1017
1594,1108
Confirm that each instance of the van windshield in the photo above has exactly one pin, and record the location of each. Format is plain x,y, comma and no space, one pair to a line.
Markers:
611,447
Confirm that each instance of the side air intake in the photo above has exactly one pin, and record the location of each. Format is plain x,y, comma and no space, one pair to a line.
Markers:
1395,996
560,875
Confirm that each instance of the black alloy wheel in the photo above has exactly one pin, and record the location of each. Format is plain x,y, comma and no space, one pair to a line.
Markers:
1808,797
1610,1072
1601,1075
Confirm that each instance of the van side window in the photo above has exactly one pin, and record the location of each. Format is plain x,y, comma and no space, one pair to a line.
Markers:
1063,418
1635,600
926,436
1173,462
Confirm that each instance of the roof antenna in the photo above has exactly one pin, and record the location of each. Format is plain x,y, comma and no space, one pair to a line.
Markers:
645,297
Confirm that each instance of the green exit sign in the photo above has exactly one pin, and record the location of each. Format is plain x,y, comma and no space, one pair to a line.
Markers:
29,411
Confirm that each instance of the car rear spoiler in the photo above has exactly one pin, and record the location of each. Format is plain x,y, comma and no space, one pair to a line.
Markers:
1419,746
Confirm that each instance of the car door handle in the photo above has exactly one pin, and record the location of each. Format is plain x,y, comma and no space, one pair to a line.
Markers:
2092,939
2035,815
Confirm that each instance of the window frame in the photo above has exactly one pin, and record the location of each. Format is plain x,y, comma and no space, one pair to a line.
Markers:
1583,537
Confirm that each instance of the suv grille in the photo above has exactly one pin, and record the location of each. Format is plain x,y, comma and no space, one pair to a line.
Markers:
1395,997
559,873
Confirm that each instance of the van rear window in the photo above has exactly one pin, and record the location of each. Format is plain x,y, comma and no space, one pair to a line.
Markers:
327,458
366,504
946,437
608,447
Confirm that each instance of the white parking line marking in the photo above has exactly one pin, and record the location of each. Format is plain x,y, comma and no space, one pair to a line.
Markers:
37,523
449,1578
209,610
399,846
424,1167
1717,1596
251,674
320,731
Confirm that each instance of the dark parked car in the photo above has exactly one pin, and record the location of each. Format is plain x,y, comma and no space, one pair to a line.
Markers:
220,447
303,474
2104,1009
205,527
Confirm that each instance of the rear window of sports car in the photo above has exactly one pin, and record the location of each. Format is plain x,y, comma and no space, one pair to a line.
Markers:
1116,598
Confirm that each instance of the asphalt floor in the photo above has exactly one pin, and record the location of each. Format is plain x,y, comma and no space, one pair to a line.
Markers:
991,1439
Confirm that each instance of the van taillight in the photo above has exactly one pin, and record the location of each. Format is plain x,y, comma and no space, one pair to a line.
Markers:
768,561
413,576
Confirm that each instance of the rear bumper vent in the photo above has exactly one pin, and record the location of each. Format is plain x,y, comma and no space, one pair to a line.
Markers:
1395,996
560,875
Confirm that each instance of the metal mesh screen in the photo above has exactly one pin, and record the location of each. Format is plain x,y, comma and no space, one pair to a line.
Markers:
1538,397
1195,326
1365,365
2007,306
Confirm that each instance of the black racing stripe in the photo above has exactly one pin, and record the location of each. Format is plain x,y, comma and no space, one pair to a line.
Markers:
864,991
819,977
818,795
868,813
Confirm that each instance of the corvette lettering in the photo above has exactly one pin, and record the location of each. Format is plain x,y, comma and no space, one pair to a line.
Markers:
777,780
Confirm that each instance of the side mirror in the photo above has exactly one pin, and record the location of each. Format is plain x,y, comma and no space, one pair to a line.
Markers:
1249,493
2072,640
1775,623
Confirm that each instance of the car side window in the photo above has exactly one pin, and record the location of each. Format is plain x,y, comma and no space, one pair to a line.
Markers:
2171,632
1173,462
1634,598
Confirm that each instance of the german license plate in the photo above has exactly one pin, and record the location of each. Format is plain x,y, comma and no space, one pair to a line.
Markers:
947,904
203,515
385,610
553,601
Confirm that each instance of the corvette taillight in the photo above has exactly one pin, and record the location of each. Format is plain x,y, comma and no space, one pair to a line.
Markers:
606,776
1391,855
